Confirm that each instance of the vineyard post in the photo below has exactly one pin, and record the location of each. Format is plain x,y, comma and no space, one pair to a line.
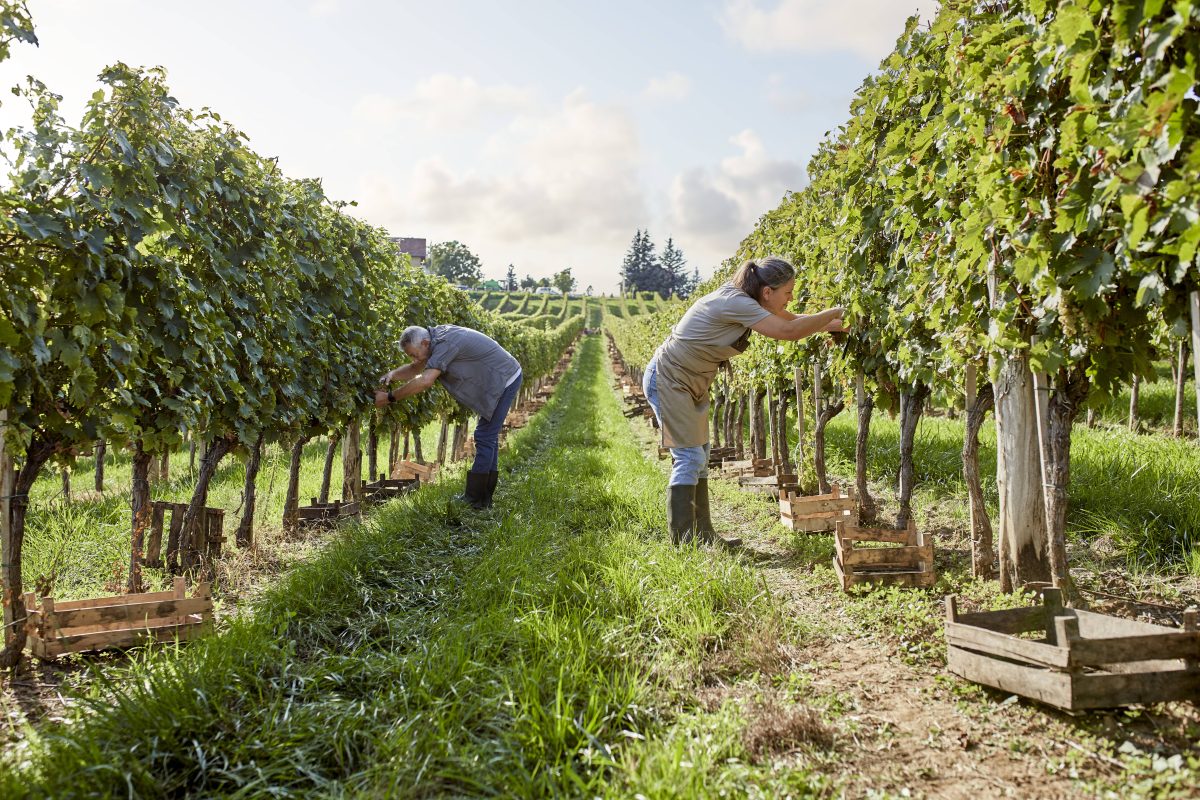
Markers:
12,586
865,405
1195,304
352,463
1041,402
100,452
1135,387
771,416
976,407
797,374
1181,356
441,445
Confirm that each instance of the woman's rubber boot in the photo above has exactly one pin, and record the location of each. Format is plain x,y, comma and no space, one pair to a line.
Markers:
493,476
705,531
681,513
476,492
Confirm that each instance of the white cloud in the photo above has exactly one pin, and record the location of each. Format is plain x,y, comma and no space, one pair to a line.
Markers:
445,103
561,188
670,87
324,8
717,207
868,28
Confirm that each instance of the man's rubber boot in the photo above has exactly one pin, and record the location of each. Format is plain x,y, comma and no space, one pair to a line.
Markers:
476,491
705,531
493,476
681,513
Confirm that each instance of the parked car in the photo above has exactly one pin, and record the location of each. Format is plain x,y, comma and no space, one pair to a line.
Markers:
547,290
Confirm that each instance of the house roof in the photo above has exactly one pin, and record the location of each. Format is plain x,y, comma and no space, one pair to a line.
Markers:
411,246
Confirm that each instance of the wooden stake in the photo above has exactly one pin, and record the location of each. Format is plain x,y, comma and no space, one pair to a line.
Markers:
7,545
797,376
1196,347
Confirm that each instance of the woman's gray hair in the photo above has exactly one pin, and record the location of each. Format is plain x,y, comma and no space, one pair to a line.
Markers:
413,335
757,273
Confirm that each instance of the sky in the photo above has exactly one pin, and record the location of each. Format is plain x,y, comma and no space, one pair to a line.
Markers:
540,134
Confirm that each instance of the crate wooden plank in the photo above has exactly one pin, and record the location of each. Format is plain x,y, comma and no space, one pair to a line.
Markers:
1038,683
1106,690
94,602
1038,652
1010,620
797,507
130,612
48,649
908,578
886,556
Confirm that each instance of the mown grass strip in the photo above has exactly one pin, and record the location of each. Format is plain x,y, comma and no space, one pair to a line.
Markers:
551,648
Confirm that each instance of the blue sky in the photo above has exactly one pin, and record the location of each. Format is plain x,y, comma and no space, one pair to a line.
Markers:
541,134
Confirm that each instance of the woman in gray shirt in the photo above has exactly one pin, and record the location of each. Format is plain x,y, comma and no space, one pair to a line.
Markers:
716,328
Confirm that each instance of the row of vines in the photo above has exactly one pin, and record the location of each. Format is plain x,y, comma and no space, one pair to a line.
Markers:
162,279
1011,217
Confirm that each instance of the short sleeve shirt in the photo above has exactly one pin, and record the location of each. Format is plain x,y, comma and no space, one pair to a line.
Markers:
475,369
720,318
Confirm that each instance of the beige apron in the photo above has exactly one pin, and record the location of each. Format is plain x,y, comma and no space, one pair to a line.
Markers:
686,370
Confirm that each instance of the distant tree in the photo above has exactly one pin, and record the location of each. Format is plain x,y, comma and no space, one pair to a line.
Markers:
510,279
564,281
543,282
529,282
674,269
692,283
640,264
455,262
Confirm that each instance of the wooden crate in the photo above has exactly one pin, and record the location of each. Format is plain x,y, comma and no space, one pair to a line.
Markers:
213,533
319,514
818,512
1081,660
120,621
907,561
410,470
386,488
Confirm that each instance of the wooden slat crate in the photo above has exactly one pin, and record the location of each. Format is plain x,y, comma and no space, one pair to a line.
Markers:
120,621
907,561
214,533
410,470
385,488
1081,660
818,512
317,514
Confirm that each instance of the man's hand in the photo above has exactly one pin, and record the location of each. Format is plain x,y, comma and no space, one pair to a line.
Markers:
382,399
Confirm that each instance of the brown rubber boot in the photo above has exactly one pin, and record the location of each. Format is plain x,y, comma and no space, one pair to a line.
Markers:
705,531
681,513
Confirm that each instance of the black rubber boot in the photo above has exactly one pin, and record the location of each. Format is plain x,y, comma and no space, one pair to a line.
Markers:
493,476
475,494
681,513
705,531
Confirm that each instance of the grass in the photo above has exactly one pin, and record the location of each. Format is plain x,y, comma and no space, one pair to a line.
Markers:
550,648
1133,496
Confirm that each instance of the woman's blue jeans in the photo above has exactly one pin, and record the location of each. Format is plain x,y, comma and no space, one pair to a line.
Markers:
689,464
487,432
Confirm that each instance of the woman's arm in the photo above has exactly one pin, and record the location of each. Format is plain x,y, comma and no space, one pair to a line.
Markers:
800,326
416,385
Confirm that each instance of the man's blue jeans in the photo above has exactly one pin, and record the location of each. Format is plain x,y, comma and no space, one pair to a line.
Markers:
689,464
487,432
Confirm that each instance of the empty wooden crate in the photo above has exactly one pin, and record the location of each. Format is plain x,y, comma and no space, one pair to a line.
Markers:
817,512
1078,660
883,556
387,488
120,621
408,470
317,514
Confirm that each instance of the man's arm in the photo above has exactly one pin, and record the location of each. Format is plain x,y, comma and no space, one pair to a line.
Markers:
416,385
406,373
801,325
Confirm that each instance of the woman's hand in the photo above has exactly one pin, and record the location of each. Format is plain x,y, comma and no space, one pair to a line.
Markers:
382,399
837,323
